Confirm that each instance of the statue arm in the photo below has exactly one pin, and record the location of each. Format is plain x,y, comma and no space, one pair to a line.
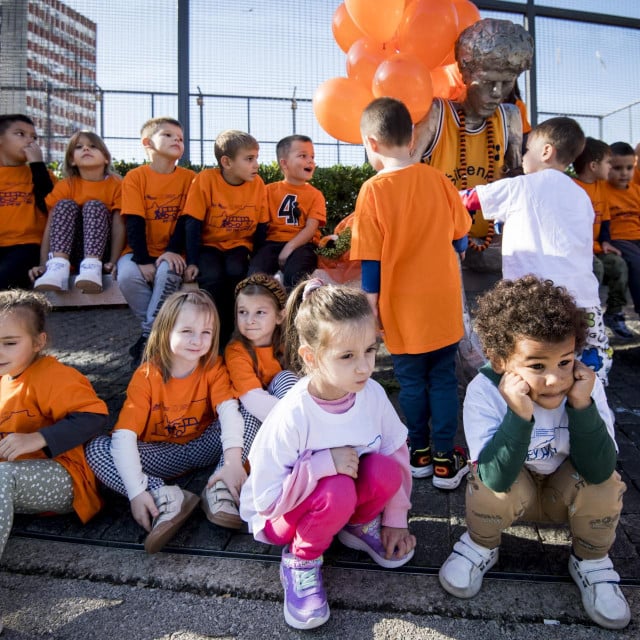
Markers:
513,154
425,130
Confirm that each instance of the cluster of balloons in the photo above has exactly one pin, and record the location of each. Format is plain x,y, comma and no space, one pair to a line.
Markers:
397,48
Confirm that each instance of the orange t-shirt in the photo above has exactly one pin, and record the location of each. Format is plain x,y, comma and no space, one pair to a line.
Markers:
522,108
624,206
178,410
46,392
81,191
21,222
290,206
159,199
230,213
597,194
407,219
242,370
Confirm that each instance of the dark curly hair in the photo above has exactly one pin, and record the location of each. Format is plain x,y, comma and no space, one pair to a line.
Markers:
527,308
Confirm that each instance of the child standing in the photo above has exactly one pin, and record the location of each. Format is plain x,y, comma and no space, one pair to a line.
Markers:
548,226
406,218
24,183
84,219
592,168
223,210
153,195
179,415
331,457
296,212
542,445
623,196
255,355
48,411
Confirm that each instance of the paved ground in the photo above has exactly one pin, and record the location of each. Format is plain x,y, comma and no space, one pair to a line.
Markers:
96,340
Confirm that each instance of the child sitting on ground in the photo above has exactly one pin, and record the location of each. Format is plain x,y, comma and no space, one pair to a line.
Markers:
296,212
222,213
152,267
331,457
179,415
49,410
623,197
548,226
592,168
84,219
24,183
541,443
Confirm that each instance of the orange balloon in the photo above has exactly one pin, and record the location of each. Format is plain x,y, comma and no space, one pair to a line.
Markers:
428,30
468,14
338,104
447,83
450,58
405,78
378,20
364,57
344,29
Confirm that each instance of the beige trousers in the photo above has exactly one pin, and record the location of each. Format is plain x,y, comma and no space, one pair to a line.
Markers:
591,510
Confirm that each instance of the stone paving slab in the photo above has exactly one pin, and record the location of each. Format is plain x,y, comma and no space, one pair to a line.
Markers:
96,341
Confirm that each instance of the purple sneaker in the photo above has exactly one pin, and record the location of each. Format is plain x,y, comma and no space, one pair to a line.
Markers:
366,537
305,601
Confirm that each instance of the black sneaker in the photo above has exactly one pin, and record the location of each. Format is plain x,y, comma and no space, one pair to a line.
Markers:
136,352
421,465
615,322
449,467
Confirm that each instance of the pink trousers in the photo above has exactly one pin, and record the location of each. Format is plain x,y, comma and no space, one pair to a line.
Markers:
336,501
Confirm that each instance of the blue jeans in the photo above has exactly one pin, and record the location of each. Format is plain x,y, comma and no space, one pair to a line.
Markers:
429,391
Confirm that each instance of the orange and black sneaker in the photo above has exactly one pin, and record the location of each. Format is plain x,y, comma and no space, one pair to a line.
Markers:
421,465
449,467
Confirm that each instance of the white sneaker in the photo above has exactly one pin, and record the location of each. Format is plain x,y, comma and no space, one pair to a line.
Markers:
462,572
90,276
220,507
175,505
602,598
56,277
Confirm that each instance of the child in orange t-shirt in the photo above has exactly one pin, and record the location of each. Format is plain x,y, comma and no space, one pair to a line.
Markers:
592,168
406,219
48,411
84,219
152,266
24,183
255,354
296,212
623,197
180,414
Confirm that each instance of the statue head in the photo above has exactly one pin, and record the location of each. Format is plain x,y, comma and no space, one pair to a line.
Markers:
491,54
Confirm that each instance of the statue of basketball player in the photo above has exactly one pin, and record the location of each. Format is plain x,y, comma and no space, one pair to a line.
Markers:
479,140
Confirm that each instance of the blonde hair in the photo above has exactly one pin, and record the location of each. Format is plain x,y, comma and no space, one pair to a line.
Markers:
158,348
313,312
229,142
69,169
153,125
31,306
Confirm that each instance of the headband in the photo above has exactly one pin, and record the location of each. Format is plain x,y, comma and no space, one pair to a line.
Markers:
269,283
311,286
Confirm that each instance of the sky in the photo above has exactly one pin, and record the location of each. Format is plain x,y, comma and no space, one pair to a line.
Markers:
285,48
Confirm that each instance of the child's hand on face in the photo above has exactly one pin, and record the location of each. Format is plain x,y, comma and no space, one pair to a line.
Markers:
515,392
143,509
579,396
33,152
396,541
346,461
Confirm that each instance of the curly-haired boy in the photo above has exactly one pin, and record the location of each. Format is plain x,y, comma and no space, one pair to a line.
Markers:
541,444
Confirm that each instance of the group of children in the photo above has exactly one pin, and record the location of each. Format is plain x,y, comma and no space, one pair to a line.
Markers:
293,396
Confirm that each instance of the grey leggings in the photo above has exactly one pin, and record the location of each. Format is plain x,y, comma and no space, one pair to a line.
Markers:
32,486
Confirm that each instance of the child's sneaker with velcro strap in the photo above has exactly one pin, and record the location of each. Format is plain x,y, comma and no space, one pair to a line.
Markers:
421,463
462,572
449,467
366,537
90,276
305,600
56,276
602,598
